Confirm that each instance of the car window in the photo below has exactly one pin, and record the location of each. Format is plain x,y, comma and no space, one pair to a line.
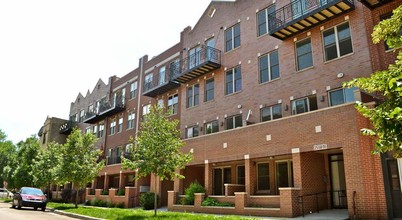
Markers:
32,191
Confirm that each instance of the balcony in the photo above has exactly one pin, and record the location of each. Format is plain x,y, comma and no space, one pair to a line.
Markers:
105,110
371,4
198,64
67,127
162,82
301,15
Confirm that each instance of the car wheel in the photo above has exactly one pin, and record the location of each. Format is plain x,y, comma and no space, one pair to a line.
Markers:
35,208
19,205
43,208
12,204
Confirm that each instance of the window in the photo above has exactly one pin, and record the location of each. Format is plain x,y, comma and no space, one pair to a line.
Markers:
95,131
271,112
110,155
209,90
211,127
233,80
263,177
304,55
91,108
233,122
160,103
173,105
44,138
263,20
120,127
133,90
129,148
193,95
88,130
123,96
145,110
101,129
269,67
97,106
112,127
74,117
82,115
162,75
341,96
194,57
304,105
148,82
284,173
118,154
130,120
174,68
192,132
241,175
232,37
337,42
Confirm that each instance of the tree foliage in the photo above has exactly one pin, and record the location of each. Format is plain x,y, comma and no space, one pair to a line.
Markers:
157,148
7,156
386,117
79,160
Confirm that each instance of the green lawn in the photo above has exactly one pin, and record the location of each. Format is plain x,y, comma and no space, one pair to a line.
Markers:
6,200
126,214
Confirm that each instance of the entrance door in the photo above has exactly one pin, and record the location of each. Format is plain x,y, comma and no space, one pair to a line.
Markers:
221,176
194,57
395,187
338,183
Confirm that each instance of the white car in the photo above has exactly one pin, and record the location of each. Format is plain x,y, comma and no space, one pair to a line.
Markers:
4,193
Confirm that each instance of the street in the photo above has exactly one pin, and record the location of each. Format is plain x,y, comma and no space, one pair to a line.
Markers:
8,213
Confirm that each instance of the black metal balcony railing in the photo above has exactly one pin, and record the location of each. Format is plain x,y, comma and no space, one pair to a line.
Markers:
301,15
67,127
105,110
162,82
203,61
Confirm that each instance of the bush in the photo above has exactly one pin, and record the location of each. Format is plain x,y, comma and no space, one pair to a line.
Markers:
212,202
121,192
87,202
120,205
105,192
193,188
147,200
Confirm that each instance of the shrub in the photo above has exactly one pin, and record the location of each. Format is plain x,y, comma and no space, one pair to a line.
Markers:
105,192
121,192
120,205
87,202
193,188
147,200
209,202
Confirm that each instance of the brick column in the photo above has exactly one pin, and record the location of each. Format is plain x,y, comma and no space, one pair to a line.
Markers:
171,199
208,178
198,198
241,200
131,199
297,174
247,172
178,183
106,182
289,202
121,180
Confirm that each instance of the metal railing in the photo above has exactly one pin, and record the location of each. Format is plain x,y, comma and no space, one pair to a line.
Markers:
296,9
341,196
159,79
200,57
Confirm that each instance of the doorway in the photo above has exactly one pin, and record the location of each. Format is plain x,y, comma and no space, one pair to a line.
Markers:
220,177
338,183
394,179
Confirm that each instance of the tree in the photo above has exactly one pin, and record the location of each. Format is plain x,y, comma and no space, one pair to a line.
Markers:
79,163
7,155
45,169
157,149
22,168
386,117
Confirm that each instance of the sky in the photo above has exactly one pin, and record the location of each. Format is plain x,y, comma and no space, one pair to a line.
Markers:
52,50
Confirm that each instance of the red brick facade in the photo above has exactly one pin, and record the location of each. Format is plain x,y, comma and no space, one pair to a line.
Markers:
293,165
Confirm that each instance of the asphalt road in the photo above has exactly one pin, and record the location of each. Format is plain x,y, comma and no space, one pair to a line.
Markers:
8,213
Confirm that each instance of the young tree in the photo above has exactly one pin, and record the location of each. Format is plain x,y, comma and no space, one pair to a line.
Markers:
7,155
45,169
386,117
157,149
79,160
26,154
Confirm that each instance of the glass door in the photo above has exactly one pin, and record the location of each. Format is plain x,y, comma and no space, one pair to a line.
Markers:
220,177
395,186
194,57
338,183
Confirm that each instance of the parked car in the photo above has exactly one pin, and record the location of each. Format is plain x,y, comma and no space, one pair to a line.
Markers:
4,193
30,197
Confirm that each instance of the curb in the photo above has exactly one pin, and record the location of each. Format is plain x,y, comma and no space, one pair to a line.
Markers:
73,215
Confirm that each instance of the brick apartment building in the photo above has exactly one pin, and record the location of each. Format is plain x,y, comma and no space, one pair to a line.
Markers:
257,86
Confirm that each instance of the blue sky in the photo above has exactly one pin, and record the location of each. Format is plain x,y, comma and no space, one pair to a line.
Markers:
51,50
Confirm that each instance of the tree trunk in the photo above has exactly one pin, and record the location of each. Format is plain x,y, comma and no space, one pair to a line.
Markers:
76,198
155,197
